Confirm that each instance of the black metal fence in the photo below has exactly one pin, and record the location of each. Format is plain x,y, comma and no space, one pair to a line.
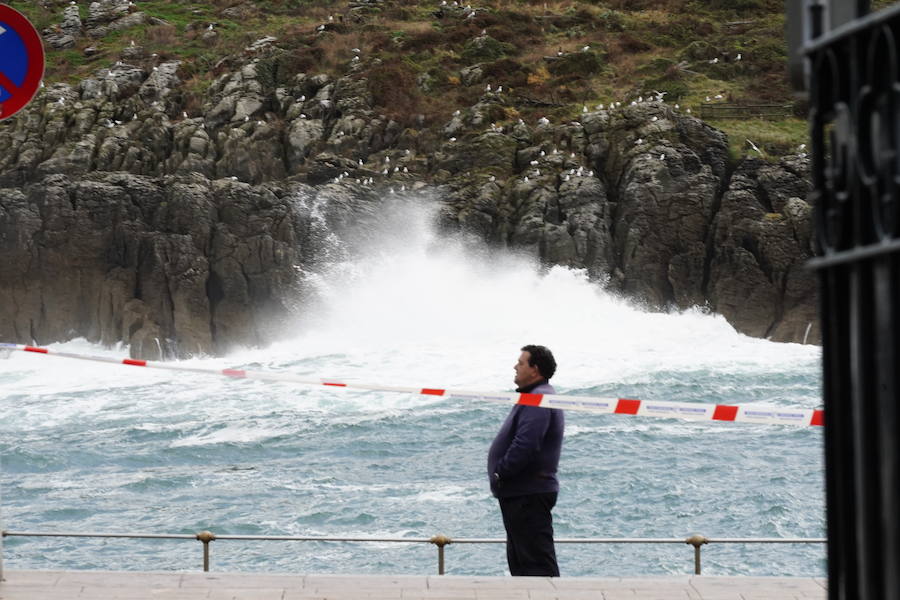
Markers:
854,92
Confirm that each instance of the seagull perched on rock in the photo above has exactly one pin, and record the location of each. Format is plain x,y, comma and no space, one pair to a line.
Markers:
585,49
210,28
738,57
654,119
584,109
533,163
714,61
543,121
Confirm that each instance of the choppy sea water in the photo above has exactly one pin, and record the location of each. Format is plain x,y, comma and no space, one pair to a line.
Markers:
94,447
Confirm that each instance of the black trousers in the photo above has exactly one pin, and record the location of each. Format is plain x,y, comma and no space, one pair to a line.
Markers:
529,534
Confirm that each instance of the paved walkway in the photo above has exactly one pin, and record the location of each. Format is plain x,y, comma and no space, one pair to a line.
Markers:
100,585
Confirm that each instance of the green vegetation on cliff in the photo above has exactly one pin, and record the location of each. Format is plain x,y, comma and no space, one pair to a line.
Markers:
423,60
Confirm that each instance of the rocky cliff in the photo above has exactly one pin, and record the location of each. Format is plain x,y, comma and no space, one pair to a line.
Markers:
125,218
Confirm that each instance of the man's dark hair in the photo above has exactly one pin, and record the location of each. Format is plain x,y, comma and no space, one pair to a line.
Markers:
542,358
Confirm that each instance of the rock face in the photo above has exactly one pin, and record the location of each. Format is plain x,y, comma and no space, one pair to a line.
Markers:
125,218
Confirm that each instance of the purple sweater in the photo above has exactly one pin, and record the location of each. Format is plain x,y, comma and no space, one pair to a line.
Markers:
525,454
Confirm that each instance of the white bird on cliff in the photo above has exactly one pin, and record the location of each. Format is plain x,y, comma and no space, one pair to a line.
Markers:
405,170
453,139
585,48
302,115
654,119
543,121
638,141
355,50
210,28
492,179
533,163
599,107
584,109
688,111
184,115
752,145
499,89
487,88
543,153
719,96
738,57
714,61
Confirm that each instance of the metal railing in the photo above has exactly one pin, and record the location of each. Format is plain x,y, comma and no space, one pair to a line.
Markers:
441,541
745,111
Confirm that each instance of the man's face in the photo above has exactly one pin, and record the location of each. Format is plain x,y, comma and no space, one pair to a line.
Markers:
525,373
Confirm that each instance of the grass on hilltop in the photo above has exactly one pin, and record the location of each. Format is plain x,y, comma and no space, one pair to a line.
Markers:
634,47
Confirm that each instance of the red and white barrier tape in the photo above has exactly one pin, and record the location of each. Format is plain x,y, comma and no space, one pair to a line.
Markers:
622,406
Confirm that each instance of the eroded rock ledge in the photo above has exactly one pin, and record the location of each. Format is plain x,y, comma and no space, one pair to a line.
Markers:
124,218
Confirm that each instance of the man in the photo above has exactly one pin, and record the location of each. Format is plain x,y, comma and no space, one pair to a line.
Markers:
522,465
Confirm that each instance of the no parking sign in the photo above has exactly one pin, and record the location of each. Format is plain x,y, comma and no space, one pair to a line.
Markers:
21,61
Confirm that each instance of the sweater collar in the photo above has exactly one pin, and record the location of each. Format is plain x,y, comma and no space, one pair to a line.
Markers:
527,389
